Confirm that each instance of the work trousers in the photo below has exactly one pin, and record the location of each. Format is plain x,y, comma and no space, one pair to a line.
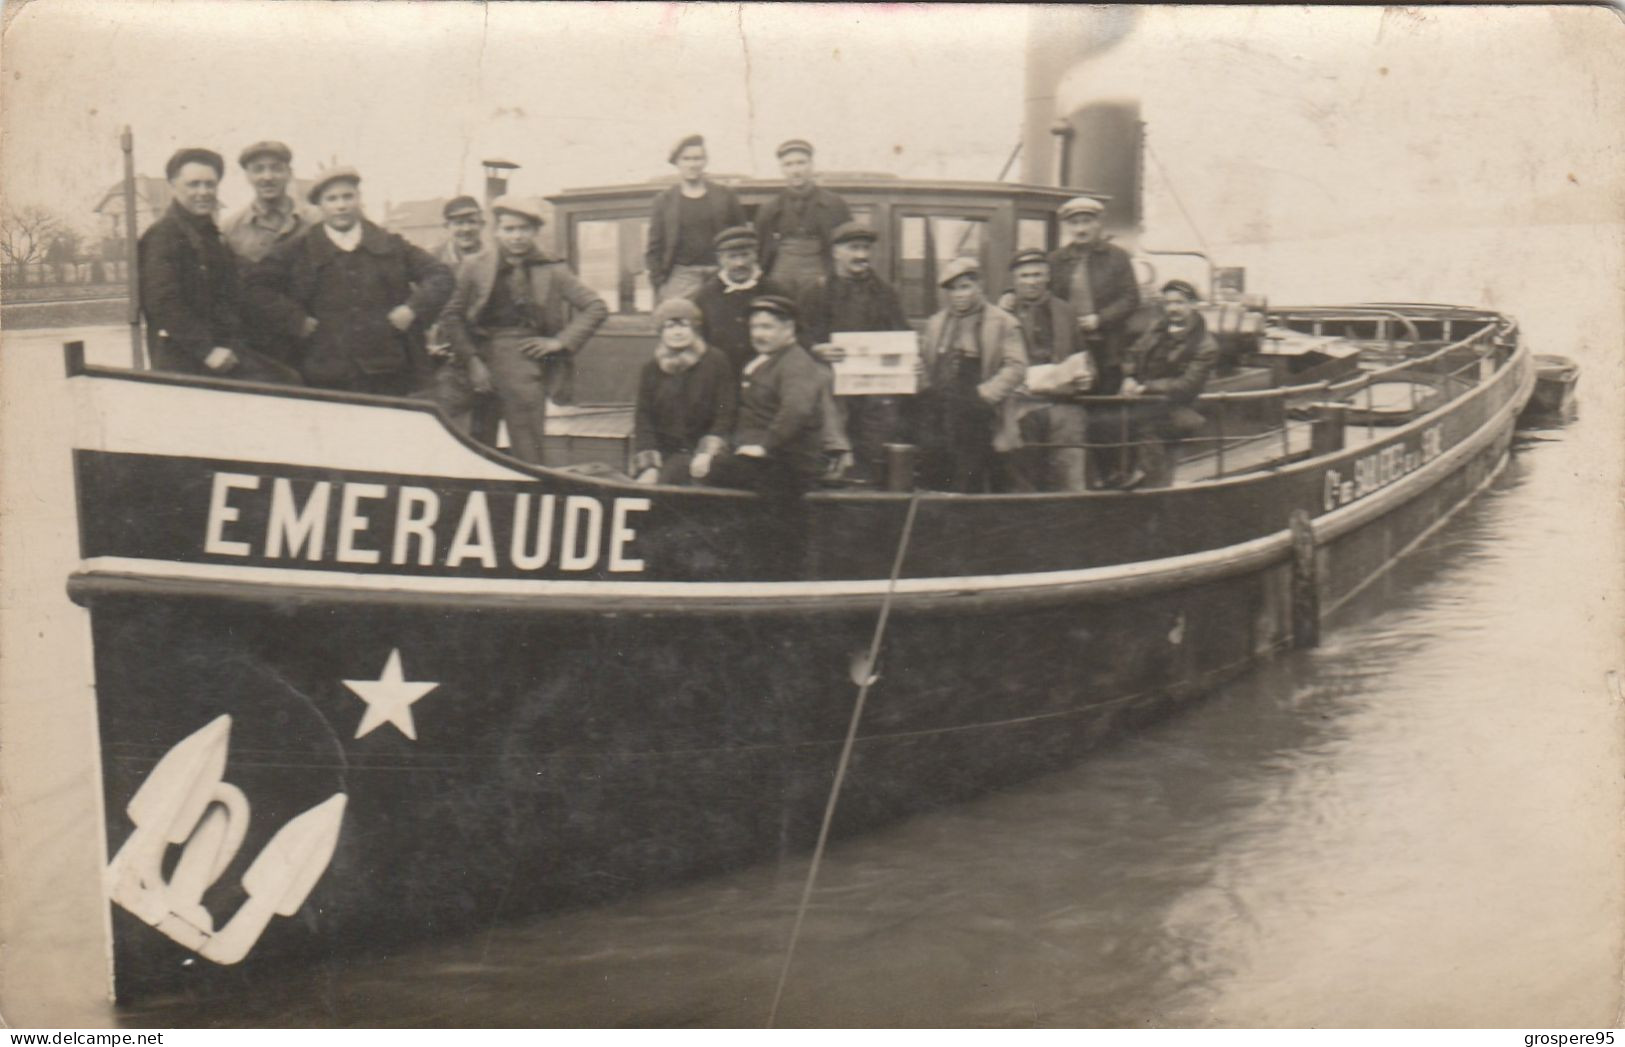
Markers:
871,422
1047,468
519,387
956,429
473,414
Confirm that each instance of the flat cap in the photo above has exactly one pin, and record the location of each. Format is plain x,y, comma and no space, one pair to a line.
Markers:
460,205
276,149
328,177
735,236
194,155
848,231
1182,287
676,309
523,206
1028,256
684,143
776,304
1080,205
794,145
964,265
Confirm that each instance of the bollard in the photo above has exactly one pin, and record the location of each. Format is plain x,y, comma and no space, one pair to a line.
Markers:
900,467
1326,431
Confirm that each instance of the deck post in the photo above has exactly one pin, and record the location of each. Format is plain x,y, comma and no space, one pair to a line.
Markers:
1326,431
1305,582
900,467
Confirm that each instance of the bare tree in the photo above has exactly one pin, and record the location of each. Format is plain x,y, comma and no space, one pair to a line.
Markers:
27,232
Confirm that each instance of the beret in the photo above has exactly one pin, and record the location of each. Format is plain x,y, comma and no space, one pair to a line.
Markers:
1081,205
735,236
676,309
961,266
1028,256
684,143
852,231
194,155
792,146
460,205
523,206
276,149
328,177
773,303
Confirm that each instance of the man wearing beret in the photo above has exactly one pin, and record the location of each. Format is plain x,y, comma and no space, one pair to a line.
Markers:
353,299
1170,362
778,437
272,216
853,298
189,284
523,314
1051,326
687,218
796,226
462,387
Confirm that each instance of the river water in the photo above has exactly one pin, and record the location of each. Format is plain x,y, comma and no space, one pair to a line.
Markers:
1417,823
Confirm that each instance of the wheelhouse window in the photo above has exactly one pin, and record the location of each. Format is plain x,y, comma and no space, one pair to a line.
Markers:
608,256
1032,231
926,244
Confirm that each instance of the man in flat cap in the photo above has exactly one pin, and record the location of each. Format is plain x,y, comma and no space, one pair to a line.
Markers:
1097,278
523,314
1170,365
190,288
352,299
853,298
462,386
1052,430
778,436
272,216
796,226
686,220
724,299
973,358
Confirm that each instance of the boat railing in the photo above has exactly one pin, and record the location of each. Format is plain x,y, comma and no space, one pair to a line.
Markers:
1249,430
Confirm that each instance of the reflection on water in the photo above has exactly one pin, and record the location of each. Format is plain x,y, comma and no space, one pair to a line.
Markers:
1417,823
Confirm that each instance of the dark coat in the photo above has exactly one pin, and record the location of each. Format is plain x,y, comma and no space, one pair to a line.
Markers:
1004,365
1063,321
350,295
1113,285
725,317
840,304
1172,366
726,212
565,308
676,412
827,212
781,409
190,291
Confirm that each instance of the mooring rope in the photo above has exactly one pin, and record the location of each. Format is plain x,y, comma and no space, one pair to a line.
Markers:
846,756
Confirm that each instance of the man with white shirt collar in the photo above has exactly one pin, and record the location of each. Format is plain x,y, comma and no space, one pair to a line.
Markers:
724,299
352,298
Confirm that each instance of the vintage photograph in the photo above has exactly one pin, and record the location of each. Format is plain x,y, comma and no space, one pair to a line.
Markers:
828,515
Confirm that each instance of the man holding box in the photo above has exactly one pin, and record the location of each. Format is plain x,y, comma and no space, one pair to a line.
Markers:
853,299
1051,456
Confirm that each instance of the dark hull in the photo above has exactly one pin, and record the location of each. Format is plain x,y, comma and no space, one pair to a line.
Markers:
581,745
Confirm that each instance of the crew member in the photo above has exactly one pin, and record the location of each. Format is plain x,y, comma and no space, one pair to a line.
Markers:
525,314
778,437
686,220
273,216
1172,361
973,357
462,386
796,226
190,292
687,400
853,298
724,299
353,298
1056,427
1097,278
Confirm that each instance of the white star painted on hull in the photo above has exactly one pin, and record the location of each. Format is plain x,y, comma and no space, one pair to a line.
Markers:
389,698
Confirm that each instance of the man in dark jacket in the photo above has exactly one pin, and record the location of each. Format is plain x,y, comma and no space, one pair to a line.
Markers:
724,299
795,227
1171,361
525,315
463,386
778,438
354,298
685,221
853,298
189,289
